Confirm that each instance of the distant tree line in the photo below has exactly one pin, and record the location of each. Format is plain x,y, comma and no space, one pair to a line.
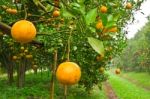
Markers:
136,56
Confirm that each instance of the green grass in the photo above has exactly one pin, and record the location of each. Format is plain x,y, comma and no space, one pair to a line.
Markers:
95,94
127,90
38,86
141,78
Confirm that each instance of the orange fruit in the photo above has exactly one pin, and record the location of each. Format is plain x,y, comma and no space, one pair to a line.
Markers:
21,54
110,48
25,51
29,56
23,31
56,13
110,57
11,11
113,29
22,48
8,10
128,5
103,9
105,30
99,25
14,57
34,67
101,69
68,73
99,57
29,14
117,71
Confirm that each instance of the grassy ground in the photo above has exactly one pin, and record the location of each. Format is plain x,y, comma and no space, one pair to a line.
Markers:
141,78
38,86
127,90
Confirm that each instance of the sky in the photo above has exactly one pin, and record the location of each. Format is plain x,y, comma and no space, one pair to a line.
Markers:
140,19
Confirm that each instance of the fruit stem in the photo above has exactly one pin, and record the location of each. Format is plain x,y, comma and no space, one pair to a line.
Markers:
53,75
65,91
25,12
68,51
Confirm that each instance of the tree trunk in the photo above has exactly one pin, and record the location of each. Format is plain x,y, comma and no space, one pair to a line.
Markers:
21,75
10,74
35,71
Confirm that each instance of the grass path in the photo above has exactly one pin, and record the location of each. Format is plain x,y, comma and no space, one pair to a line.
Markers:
140,79
127,90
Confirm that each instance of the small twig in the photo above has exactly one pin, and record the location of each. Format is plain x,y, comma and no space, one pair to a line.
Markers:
53,4
47,34
68,51
25,12
42,6
68,59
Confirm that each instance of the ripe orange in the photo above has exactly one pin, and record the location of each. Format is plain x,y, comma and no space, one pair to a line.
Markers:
99,57
110,57
117,71
103,9
128,5
101,69
29,56
34,67
113,29
22,48
110,48
99,25
14,57
21,54
11,11
68,73
23,31
56,13
29,14
25,51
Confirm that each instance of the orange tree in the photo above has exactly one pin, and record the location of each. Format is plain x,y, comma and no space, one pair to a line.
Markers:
89,32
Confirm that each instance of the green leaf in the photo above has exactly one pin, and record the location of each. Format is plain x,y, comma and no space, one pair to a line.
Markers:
66,13
111,24
97,45
92,29
116,17
36,2
91,16
80,1
104,19
110,18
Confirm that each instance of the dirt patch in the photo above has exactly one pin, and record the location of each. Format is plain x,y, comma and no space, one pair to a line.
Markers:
109,91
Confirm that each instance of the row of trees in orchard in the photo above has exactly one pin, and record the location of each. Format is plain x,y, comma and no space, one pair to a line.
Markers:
136,55
87,32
